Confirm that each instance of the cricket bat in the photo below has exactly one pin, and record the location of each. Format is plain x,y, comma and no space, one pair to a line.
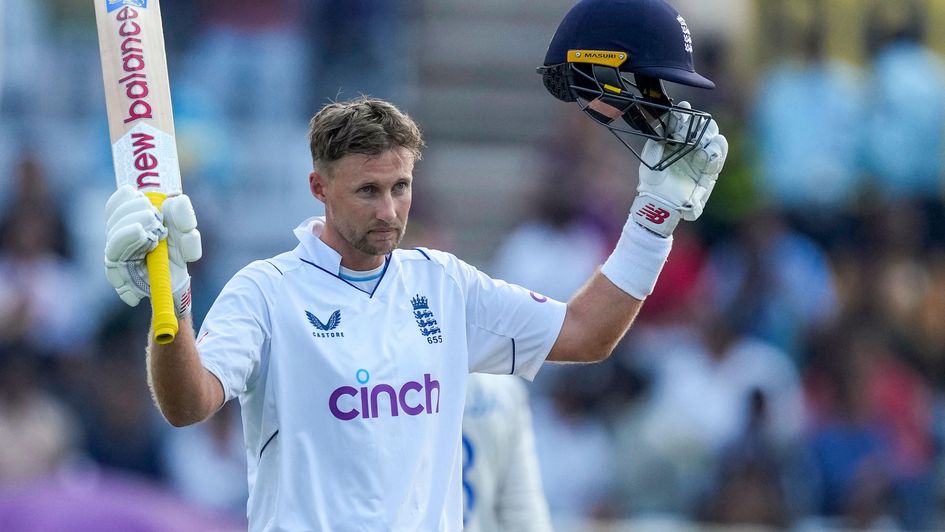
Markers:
141,125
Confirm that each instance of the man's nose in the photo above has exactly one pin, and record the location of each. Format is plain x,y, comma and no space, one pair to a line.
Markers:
386,209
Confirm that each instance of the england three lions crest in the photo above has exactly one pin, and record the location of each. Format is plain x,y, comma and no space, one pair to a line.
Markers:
425,319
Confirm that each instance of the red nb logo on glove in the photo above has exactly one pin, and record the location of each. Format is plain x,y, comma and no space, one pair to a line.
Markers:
653,214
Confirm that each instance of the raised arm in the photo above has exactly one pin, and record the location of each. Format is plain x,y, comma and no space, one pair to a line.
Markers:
598,316
601,312
184,391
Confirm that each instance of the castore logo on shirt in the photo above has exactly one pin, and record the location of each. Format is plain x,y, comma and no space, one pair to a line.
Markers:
397,399
326,330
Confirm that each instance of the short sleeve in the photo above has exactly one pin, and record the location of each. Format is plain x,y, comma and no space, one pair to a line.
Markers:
508,328
235,332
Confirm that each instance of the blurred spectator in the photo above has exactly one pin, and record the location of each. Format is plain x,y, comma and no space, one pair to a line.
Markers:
807,112
575,454
904,131
37,432
775,281
206,463
31,191
556,235
872,439
599,180
40,295
249,62
749,488
891,271
698,406
502,489
121,421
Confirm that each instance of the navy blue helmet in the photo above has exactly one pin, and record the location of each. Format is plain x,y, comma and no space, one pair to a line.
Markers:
612,56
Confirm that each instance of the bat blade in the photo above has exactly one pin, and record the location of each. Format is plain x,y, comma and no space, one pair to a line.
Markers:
141,125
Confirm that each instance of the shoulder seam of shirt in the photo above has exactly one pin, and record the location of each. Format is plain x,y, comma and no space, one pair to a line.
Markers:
424,253
286,261
447,272
274,266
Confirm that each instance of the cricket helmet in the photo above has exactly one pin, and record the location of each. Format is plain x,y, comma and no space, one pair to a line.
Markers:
612,56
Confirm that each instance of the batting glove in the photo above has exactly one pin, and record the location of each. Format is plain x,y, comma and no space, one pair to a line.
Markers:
680,191
134,227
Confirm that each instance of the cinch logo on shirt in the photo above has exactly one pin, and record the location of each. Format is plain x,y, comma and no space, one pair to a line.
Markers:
397,400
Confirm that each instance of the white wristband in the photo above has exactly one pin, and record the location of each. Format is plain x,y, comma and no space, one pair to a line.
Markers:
637,260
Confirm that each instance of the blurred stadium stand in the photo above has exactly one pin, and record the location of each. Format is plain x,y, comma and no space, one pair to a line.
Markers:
789,371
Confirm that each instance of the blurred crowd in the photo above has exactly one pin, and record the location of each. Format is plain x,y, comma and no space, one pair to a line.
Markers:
789,370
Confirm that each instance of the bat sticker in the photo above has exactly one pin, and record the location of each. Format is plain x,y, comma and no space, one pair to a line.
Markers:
115,4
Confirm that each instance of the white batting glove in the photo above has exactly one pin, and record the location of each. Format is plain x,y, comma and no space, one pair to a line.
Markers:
133,227
682,190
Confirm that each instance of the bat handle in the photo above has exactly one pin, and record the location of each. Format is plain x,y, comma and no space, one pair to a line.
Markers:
163,319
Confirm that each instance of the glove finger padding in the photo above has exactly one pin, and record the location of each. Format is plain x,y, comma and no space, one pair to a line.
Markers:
679,122
128,242
698,200
122,195
181,221
187,247
716,151
133,225
135,205
179,213
652,153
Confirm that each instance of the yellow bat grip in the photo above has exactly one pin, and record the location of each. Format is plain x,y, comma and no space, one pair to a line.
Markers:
163,319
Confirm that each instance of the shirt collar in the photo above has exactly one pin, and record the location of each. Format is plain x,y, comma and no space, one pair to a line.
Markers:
311,247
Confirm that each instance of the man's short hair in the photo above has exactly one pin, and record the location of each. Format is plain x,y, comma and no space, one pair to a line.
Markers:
364,125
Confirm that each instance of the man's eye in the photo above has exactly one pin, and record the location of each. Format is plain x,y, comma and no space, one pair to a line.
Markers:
401,186
366,190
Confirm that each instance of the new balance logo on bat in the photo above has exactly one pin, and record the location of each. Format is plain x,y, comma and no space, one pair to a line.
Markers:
333,322
653,214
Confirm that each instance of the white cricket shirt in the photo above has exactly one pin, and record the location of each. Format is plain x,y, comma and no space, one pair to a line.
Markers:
352,402
502,490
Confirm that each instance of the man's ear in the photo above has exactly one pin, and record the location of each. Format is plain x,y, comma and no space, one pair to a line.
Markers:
316,183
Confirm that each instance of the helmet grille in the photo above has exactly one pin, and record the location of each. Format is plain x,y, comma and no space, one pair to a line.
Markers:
557,80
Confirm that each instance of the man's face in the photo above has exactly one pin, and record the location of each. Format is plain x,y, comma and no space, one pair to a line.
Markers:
367,200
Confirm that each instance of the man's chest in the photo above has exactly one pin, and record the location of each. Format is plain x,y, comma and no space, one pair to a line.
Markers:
366,355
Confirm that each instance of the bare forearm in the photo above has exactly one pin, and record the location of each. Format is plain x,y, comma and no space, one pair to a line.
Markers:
183,389
597,318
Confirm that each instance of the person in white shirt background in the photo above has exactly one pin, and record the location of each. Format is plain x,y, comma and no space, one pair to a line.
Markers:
501,480
350,357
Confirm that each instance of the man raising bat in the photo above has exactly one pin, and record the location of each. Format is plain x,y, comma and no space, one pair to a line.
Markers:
350,357
141,127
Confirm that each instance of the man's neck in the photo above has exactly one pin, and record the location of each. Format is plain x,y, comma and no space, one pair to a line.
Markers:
351,257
